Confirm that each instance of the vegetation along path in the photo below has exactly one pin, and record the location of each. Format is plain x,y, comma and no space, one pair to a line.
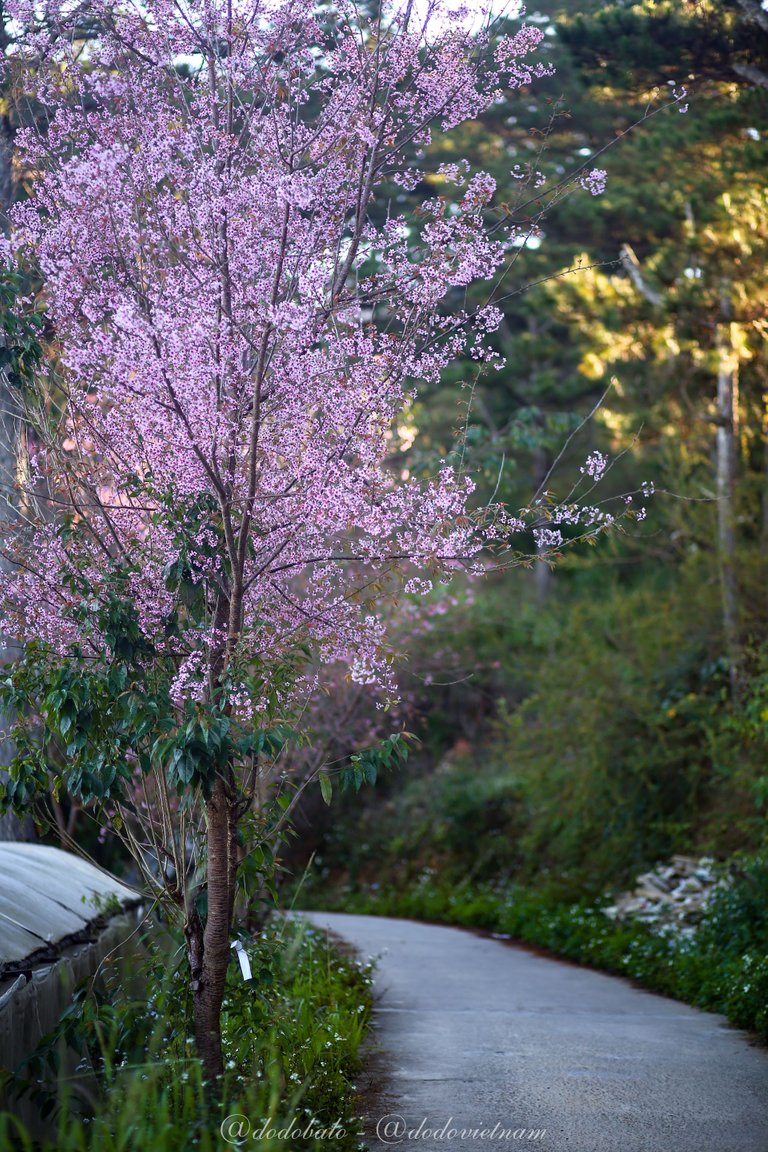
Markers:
482,1036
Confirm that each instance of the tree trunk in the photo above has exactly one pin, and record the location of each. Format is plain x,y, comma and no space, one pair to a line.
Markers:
11,828
209,947
764,529
726,456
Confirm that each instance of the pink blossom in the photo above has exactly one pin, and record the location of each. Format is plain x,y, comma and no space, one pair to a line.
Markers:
208,255
595,466
594,181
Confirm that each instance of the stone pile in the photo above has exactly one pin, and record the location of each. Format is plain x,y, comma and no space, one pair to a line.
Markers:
672,897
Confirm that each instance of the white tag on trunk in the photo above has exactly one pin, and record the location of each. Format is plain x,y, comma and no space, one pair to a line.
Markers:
242,955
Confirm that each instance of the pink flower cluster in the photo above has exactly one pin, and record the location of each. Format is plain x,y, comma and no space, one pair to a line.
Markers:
594,181
595,466
237,332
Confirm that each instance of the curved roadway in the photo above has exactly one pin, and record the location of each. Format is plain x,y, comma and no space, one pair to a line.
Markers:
484,1045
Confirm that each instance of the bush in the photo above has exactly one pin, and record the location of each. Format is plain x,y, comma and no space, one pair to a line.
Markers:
615,745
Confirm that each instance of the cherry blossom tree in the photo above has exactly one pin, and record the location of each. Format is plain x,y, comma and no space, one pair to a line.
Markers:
211,521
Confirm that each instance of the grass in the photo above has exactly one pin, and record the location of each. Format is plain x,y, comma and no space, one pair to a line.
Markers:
291,1038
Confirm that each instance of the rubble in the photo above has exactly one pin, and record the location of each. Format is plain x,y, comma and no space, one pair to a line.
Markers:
672,897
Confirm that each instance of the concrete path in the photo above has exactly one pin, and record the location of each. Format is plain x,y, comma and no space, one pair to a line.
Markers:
486,1044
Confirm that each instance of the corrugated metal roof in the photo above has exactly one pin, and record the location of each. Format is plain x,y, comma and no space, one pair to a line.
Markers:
47,895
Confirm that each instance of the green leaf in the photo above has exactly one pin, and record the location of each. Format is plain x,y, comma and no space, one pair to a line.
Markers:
326,787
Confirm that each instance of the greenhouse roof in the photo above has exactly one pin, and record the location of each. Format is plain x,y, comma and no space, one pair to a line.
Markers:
48,896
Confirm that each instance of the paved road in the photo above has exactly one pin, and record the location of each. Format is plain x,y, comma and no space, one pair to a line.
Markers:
477,1034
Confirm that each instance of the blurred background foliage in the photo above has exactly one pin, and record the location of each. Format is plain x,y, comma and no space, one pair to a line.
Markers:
580,723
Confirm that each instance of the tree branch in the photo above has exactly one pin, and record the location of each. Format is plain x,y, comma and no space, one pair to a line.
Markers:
754,12
753,75
631,266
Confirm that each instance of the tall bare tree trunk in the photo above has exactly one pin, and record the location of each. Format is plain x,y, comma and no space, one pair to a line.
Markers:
764,430
209,949
11,828
727,457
